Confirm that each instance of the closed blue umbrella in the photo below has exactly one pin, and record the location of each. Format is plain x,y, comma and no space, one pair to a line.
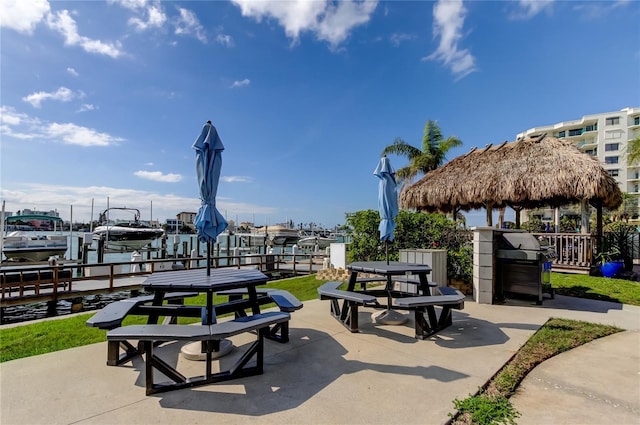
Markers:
209,222
388,209
387,201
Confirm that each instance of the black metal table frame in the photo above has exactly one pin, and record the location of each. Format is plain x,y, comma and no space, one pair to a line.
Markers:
425,326
196,280
389,271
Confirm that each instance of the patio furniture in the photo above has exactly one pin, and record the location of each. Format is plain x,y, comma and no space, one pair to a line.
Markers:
150,334
348,314
112,315
427,321
209,335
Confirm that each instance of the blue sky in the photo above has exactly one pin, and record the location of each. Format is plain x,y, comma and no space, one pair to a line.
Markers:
105,99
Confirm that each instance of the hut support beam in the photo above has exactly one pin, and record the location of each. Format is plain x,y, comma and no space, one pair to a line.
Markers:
489,209
584,217
599,224
517,211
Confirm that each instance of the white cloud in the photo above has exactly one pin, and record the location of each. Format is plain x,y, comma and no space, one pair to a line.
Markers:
20,195
398,38
134,5
155,18
597,10
448,24
188,24
87,107
236,179
225,40
241,83
17,125
21,15
158,176
527,9
63,94
72,71
330,21
13,123
72,134
339,20
64,24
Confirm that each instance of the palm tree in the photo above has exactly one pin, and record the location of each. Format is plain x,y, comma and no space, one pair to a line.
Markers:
421,161
633,151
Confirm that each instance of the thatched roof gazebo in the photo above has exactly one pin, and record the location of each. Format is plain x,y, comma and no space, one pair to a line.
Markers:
530,173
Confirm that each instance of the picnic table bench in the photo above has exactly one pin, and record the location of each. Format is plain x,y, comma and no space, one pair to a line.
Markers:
421,305
285,301
151,334
112,315
348,313
449,298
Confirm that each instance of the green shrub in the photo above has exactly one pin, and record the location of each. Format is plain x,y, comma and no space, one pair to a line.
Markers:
485,410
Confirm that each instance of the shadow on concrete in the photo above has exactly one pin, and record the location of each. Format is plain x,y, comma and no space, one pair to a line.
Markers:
312,361
468,331
563,302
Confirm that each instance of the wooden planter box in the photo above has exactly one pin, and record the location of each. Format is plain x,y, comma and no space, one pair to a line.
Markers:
464,287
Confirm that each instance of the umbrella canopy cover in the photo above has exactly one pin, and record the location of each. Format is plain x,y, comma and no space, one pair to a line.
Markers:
208,146
387,198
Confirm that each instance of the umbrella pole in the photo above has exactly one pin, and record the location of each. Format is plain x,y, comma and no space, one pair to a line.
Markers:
386,249
208,258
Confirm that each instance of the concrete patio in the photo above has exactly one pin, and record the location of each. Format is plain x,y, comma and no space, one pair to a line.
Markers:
327,375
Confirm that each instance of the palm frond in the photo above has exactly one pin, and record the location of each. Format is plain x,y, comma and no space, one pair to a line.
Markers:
401,148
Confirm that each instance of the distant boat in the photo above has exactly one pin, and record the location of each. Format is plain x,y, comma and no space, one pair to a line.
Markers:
126,235
278,235
26,244
29,246
251,239
311,241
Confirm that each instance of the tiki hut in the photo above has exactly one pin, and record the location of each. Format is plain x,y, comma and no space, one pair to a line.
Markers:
530,173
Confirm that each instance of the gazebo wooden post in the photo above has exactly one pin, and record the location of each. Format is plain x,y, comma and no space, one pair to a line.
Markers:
489,208
517,211
599,224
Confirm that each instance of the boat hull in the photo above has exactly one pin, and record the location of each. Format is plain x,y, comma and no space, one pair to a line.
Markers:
312,241
126,238
27,254
33,248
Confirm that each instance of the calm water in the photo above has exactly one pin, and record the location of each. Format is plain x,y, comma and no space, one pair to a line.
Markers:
28,312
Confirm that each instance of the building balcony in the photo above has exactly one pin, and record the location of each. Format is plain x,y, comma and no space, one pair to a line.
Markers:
586,143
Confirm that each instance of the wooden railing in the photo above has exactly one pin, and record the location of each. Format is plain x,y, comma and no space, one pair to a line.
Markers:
25,284
573,250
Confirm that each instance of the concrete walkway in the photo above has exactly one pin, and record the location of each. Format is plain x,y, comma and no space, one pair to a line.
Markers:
327,375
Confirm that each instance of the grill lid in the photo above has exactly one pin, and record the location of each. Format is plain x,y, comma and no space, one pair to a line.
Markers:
520,241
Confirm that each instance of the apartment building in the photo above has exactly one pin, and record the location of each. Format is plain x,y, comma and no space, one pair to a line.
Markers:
604,136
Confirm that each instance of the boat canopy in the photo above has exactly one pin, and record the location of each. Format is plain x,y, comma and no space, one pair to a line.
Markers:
12,219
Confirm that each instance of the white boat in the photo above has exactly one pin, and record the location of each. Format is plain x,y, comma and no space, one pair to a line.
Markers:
252,239
29,246
126,235
278,235
311,241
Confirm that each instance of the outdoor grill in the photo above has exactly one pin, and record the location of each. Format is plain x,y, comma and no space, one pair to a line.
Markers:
522,266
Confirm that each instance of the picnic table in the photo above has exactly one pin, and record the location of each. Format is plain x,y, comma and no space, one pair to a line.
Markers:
210,332
422,304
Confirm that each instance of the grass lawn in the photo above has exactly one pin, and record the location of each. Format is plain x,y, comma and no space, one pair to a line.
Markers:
596,288
54,335
491,405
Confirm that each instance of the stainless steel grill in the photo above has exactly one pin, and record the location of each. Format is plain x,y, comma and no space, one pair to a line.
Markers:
521,266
